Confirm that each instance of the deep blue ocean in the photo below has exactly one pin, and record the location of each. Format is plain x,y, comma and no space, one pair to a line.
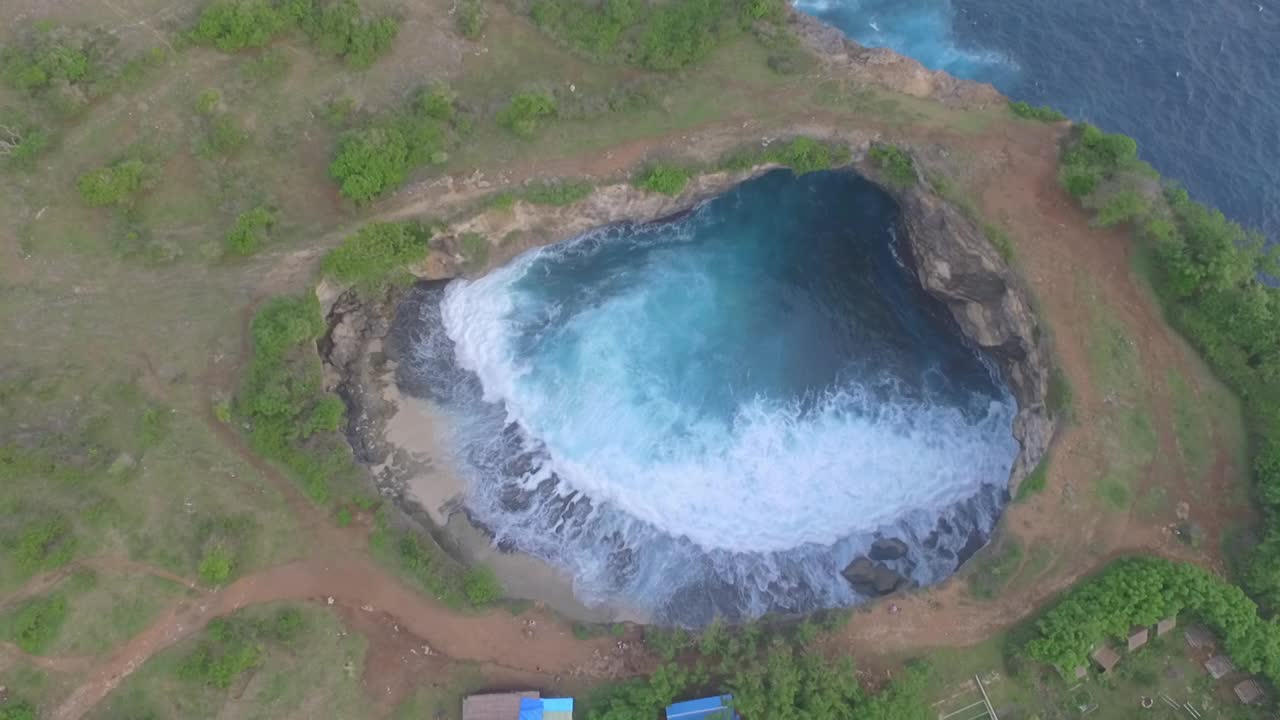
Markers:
1196,82
716,413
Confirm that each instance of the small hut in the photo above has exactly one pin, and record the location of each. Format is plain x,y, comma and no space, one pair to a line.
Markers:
495,706
1137,638
709,708
1218,666
1165,626
1106,658
1198,637
1249,692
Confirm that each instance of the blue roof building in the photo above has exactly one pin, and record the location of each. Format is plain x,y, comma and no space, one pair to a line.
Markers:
711,708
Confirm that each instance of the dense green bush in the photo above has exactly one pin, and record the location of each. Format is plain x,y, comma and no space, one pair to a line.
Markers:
897,166
481,586
233,645
216,565
337,27
377,158
470,16
250,232
526,111
1142,591
340,29
112,185
663,178
1095,156
13,708
658,36
55,59
283,391
375,251
224,136
35,624
231,25
801,154
43,544
1044,113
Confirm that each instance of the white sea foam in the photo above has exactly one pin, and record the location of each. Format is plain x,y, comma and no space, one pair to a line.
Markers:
773,477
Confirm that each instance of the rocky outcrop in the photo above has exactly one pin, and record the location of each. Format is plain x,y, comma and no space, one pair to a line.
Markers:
886,68
958,265
873,578
888,549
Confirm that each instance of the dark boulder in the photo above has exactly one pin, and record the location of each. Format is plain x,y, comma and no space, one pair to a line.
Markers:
872,578
888,549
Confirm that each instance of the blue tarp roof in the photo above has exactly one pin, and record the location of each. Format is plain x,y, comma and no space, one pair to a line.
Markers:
537,709
702,709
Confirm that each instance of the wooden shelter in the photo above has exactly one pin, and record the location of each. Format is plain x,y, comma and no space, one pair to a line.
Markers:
1249,692
1198,637
1166,625
1218,666
495,706
1106,658
1138,638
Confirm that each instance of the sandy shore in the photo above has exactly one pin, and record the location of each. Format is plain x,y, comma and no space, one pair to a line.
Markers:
418,429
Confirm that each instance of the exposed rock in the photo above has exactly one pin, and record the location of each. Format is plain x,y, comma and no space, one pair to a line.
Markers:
958,265
888,549
873,578
886,68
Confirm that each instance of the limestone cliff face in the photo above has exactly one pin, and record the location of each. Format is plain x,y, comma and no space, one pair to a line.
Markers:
957,264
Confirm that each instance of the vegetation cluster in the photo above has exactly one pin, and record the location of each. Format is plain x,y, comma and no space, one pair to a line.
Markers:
657,36
337,27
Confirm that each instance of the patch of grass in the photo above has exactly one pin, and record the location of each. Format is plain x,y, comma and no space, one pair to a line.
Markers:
1195,437
802,154
1034,483
995,566
1000,239
481,586
337,27
251,231
898,167
664,178
1058,398
216,565
469,16
35,624
1114,493
1043,113
556,193
420,560
475,249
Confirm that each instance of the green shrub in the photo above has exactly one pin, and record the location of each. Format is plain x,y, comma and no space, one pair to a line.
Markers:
21,143
526,112
340,29
1059,396
112,185
470,16
1122,207
1094,156
208,101
35,624
43,544
898,167
378,157
681,33
56,59
15,709
375,251
1044,113
216,565
1000,240
664,178
475,249
1035,482
225,137
250,232
805,155
481,586
230,25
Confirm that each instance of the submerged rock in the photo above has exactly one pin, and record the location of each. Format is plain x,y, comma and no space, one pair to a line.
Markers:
888,549
873,578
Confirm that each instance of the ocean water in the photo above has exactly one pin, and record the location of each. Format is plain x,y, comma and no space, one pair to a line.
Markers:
1196,82
716,413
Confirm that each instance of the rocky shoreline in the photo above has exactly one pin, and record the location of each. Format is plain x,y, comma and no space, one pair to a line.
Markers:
953,260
